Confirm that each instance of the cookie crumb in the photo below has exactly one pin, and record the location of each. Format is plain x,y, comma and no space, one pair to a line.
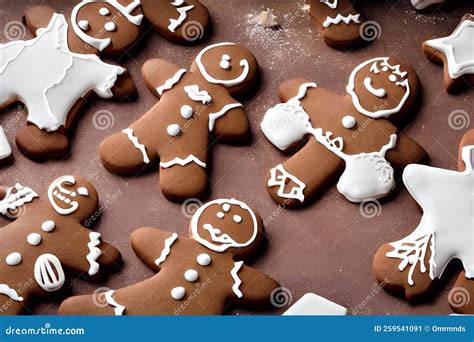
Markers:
267,19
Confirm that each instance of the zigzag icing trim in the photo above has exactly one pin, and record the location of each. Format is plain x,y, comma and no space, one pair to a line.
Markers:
20,197
171,81
214,116
179,161
195,94
346,19
8,291
136,143
237,281
167,249
118,309
94,253
174,23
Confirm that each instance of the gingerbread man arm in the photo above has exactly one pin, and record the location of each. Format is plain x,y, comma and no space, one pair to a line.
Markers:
38,17
161,75
407,151
256,287
153,246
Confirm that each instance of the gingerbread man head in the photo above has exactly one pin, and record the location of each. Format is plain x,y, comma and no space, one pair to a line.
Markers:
346,132
194,107
47,240
199,275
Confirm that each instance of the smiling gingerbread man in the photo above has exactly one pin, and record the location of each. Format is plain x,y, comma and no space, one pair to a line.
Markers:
199,275
353,135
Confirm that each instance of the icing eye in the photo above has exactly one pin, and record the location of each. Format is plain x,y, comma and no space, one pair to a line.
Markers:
104,11
237,218
220,215
173,130
110,26
374,68
186,111
226,207
225,62
385,68
392,78
83,24
349,121
83,191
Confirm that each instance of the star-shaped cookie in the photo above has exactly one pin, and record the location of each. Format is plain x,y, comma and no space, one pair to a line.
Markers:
456,52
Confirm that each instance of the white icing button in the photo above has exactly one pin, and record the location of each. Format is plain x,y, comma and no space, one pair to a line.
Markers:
203,259
237,218
34,239
13,259
191,275
173,130
348,121
226,207
48,226
178,292
225,65
186,111
83,24
110,26
220,214
392,78
104,11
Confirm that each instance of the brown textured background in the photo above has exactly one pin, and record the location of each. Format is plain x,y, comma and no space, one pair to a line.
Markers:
326,248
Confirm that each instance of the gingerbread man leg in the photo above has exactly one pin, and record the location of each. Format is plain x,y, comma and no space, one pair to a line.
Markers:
39,144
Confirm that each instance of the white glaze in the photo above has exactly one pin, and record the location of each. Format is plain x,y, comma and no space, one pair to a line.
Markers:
104,11
14,200
422,4
183,15
280,177
195,94
5,148
237,218
178,293
313,305
57,192
347,19
166,249
57,79
109,297
237,281
134,140
186,112
171,82
11,293
214,116
182,162
173,130
348,122
110,26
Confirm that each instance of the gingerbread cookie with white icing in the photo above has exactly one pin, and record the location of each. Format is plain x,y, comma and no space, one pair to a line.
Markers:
47,241
352,136
412,265
195,108
456,53
63,73
426,5
5,148
338,22
200,275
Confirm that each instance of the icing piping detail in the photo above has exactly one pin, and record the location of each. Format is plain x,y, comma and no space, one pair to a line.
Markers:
134,140
175,23
214,116
195,94
8,291
94,253
109,297
346,19
280,180
237,281
171,82
179,161
167,249
14,200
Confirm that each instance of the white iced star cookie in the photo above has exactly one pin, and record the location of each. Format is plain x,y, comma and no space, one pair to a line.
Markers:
422,5
445,231
456,52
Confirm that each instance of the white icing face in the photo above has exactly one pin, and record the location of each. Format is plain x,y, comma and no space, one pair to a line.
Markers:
102,43
216,234
236,80
65,201
379,98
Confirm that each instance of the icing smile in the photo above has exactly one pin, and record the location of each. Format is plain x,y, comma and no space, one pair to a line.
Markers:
377,92
62,199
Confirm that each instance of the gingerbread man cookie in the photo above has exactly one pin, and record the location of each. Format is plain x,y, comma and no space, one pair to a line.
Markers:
200,275
413,263
352,134
456,53
62,73
194,109
338,22
47,240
